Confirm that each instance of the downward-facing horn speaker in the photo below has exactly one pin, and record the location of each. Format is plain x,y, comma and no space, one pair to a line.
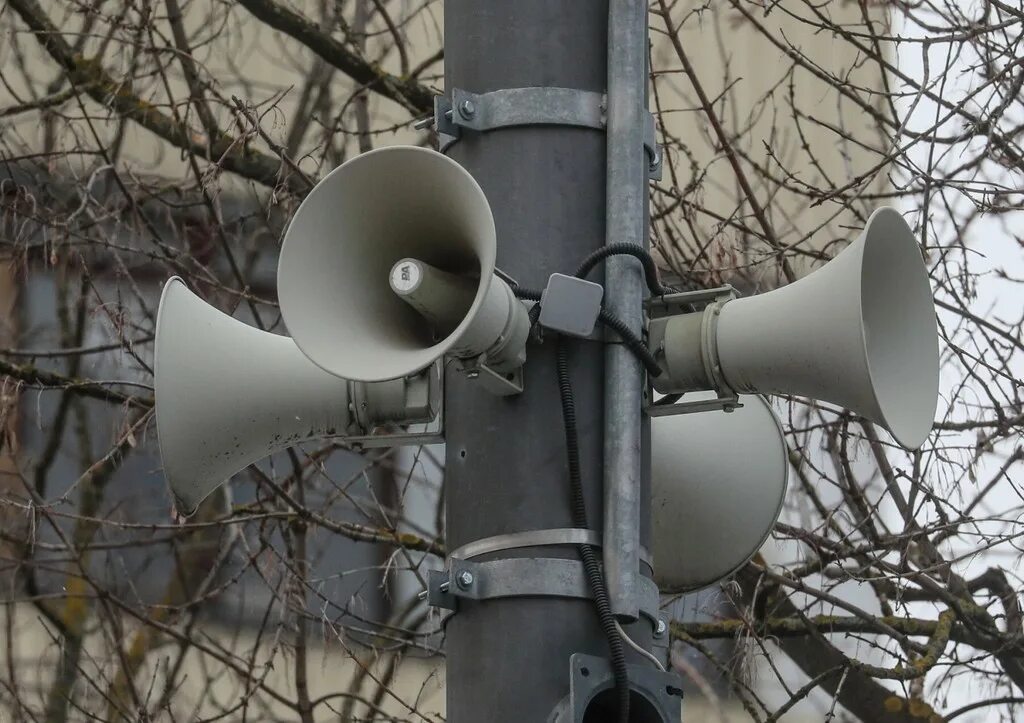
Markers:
718,480
389,264
228,394
859,332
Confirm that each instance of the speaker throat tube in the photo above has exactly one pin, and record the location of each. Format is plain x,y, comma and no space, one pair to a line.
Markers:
440,297
494,323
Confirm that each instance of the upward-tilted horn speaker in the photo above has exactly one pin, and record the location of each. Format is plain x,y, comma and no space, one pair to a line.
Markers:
389,264
859,332
228,394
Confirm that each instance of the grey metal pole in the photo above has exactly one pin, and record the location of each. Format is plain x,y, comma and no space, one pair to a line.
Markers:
624,291
508,659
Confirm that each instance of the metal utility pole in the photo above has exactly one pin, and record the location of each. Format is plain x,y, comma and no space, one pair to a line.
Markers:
508,658
625,476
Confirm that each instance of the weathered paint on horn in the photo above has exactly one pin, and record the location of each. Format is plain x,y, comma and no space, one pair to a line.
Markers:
228,394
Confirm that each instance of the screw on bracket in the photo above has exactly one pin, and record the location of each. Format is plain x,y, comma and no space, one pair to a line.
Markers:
467,109
660,629
464,579
655,159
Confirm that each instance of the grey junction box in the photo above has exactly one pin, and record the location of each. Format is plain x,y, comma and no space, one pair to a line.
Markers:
570,305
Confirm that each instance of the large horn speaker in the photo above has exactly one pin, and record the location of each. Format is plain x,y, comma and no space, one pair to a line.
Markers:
389,264
718,480
859,332
228,394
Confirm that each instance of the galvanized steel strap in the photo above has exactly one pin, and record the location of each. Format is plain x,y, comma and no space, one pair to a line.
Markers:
533,538
533,106
523,577
527,106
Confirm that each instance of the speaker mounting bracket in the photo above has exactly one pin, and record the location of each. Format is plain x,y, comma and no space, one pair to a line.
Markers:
687,302
727,402
501,385
392,436
532,106
417,399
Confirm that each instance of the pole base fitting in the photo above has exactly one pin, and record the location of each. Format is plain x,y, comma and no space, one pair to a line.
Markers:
655,696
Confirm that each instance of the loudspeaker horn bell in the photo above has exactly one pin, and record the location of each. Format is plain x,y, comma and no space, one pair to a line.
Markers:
718,481
388,265
228,394
859,332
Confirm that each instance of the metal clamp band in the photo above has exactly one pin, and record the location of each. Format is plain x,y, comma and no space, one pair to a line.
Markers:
533,538
683,303
522,577
511,107
709,345
527,106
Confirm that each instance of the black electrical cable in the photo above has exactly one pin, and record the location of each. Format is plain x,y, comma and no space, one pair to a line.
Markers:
529,295
534,315
668,399
625,249
591,566
522,292
588,555
632,341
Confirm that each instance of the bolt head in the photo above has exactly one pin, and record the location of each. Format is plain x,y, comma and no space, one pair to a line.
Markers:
660,630
465,579
467,109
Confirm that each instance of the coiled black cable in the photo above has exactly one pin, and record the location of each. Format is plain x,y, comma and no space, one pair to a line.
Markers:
530,295
625,249
522,292
591,567
588,555
631,340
